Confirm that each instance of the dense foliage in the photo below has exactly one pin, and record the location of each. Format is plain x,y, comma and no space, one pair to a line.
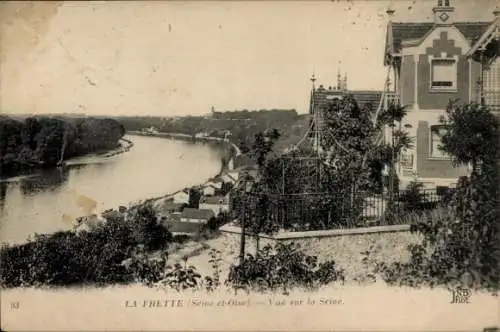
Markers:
44,141
301,190
282,267
461,244
472,135
95,255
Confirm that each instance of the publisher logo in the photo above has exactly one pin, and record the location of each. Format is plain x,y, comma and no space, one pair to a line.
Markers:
460,295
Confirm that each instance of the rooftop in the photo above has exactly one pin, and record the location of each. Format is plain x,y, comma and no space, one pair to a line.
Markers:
406,31
364,98
192,213
184,227
213,200
171,206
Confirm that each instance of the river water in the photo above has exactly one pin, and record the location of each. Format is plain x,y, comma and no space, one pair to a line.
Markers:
48,201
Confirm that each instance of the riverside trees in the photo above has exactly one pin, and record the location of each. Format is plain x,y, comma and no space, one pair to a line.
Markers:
44,141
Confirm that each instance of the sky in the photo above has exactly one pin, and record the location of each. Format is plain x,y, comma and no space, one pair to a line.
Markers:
183,57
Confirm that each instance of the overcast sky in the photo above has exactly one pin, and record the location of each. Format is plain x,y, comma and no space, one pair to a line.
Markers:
178,58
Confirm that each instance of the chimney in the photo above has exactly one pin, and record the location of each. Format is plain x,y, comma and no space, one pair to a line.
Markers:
444,12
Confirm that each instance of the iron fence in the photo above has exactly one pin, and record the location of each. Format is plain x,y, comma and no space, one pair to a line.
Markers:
316,211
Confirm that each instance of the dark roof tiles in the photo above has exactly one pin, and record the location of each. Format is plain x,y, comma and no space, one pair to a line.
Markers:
364,98
192,213
413,30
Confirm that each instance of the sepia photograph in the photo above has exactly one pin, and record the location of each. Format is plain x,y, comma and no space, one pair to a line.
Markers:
250,165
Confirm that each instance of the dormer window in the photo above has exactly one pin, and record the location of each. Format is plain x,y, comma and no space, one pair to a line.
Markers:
443,74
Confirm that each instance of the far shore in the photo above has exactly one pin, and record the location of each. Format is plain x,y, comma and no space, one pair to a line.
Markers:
125,146
152,200
177,136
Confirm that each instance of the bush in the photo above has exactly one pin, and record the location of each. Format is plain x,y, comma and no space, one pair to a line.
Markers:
282,267
181,277
95,256
214,223
146,228
145,270
460,245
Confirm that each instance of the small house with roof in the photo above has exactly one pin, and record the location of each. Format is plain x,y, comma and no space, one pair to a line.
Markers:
209,189
431,63
217,204
198,216
171,207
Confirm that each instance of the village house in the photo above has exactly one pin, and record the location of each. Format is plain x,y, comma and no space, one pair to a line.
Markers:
209,189
212,187
230,177
202,134
198,216
171,207
234,174
432,63
175,226
217,204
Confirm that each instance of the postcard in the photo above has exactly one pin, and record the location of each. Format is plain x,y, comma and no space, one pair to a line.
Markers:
249,165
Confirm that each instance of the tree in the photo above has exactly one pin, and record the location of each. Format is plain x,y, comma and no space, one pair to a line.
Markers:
252,208
194,198
460,244
263,145
472,134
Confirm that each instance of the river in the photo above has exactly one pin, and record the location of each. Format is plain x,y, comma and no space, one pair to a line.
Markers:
48,201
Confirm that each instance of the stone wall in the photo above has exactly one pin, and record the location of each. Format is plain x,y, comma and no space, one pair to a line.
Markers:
345,247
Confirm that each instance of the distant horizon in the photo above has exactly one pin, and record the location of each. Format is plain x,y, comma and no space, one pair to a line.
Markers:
144,115
181,58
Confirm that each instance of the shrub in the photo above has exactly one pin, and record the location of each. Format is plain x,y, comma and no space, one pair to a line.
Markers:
460,243
146,228
94,256
282,267
180,277
145,270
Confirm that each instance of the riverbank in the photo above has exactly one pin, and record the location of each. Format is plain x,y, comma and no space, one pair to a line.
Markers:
190,138
224,169
44,142
124,146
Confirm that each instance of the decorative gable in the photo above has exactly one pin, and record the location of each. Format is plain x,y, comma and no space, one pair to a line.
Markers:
441,38
443,44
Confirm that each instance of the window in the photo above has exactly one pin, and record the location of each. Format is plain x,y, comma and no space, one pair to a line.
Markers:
437,133
444,74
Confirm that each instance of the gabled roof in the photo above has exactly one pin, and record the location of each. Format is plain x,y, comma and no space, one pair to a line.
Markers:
192,213
214,200
184,227
485,36
172,206
323,97
399,32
